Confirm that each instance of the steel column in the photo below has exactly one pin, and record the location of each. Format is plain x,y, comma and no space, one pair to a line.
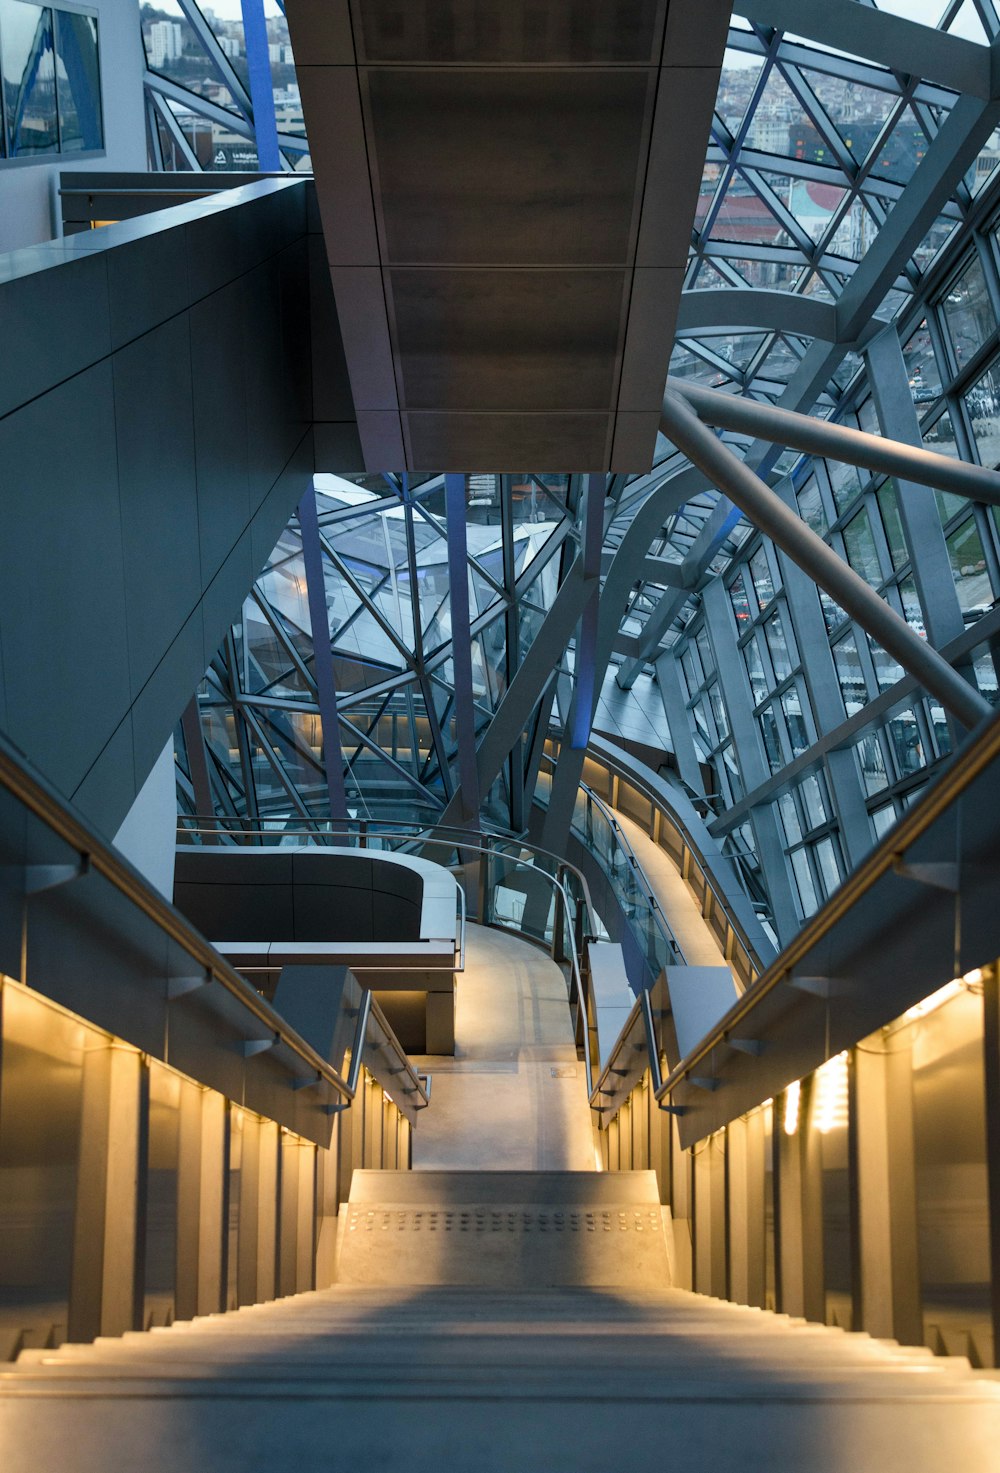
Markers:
468,795
261,87
326,689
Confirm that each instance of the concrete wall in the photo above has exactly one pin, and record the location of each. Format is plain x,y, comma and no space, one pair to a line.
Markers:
29,204
155,435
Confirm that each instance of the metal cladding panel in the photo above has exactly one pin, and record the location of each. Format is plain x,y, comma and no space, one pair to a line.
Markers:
509,32
508,155
500,167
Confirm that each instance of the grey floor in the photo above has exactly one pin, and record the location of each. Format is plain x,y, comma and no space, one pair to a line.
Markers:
514,1097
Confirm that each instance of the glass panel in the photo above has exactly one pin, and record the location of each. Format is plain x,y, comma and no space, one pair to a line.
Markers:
888,502
778,645
78,83
888,670
811,507
804,881
853,686
871,760
968,313
986,674
921,366
760,575
829,864
859,545
883,820
741,604
719,712
813,800
705,651
29,78
941,436
173,50
912,611
755,670
772,742
907,743
845,482
790,818
968,568
798,734
983,403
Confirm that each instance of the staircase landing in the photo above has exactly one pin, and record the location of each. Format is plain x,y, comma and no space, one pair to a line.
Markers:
513,1229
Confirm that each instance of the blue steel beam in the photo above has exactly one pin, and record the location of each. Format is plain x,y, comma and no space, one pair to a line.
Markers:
584,702
326,689
261,86
461,646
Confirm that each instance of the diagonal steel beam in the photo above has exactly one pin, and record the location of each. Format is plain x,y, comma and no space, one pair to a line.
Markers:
839,442
704,548
899,44
787,531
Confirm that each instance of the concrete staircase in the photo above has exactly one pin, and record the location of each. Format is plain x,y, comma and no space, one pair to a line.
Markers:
510,1229
497,1322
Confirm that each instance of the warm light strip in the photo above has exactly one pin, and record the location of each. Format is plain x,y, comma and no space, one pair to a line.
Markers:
831,1101
944,994
792,1108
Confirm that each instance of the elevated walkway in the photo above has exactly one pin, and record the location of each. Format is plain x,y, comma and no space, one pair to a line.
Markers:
693,934
514,1097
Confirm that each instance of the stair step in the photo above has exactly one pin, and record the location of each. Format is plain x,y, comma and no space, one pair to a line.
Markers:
503,1228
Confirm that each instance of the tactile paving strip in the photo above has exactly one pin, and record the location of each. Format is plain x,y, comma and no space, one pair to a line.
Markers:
493,1220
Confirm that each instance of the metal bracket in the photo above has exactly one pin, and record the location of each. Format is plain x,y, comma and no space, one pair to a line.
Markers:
701,1081
746,1045
41,877
251,1046
181,986
307,1083
819,986
939,874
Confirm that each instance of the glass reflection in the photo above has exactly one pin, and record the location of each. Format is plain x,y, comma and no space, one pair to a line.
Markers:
29,78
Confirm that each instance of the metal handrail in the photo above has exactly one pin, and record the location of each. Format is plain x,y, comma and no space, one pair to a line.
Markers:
970,762
466,839
29,789
633,777
306,834
622,837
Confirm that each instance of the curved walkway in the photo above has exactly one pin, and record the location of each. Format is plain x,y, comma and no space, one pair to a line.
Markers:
694,935
514,1097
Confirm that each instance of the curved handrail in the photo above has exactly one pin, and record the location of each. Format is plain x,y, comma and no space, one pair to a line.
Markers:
465,840
656,910
95,855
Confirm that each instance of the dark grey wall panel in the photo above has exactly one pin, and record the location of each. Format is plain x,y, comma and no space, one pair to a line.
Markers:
156,403
54,322
154,415
167,689
62,585
220,422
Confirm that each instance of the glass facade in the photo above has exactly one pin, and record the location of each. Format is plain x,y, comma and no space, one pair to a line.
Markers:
50,81
816,734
